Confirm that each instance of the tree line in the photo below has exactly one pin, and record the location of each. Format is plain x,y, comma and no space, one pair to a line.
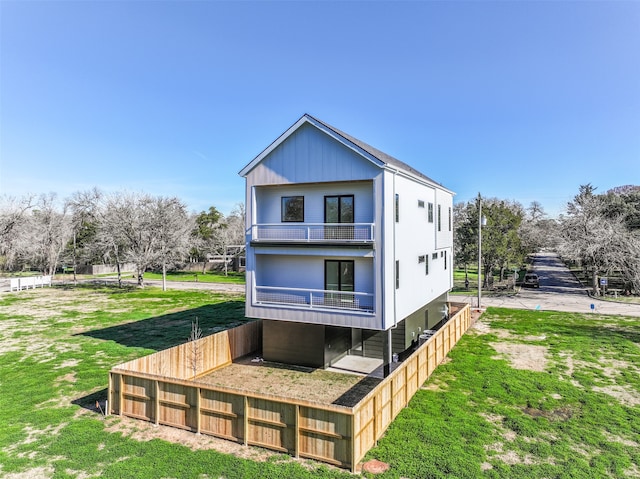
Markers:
599,232
92,227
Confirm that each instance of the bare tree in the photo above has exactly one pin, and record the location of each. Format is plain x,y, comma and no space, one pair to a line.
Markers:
172,229
231,234
129,226
536,230
49,232
14,215
84,208
591,237
196,352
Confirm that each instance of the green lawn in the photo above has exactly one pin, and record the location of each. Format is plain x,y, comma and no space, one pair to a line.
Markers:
209,277
478,416
460,289
482,416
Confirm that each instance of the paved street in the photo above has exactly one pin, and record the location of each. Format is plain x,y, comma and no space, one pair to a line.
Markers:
559,291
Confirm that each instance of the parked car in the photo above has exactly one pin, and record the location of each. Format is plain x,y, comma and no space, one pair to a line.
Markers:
531,279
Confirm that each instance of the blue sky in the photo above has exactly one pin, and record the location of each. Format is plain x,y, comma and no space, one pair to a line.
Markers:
512,99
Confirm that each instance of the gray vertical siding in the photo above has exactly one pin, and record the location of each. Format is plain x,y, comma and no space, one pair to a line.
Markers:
310,156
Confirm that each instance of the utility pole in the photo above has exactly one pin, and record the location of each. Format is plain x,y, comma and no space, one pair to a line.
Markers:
479,249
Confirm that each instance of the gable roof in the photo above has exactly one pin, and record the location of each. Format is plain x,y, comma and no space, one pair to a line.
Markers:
374,155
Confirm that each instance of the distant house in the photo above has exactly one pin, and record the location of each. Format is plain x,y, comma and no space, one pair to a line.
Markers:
349,250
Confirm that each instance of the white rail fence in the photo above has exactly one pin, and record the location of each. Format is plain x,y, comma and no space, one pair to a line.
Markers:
30,282
315,298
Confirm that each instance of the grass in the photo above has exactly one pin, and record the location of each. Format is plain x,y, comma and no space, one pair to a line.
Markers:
209,277
460,289
477,416
579,417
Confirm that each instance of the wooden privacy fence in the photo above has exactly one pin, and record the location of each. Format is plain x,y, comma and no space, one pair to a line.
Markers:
160,388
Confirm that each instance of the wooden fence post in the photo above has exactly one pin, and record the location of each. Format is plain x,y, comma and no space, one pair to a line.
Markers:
245,426
156,411
198,412
297,432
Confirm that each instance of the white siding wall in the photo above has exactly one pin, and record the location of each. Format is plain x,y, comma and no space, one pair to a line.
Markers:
268,201
413,236
444,238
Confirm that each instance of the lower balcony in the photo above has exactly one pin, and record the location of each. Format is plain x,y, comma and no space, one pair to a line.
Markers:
313,233
315,299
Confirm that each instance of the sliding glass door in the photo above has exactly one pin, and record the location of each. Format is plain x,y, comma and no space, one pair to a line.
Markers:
339,209
338,276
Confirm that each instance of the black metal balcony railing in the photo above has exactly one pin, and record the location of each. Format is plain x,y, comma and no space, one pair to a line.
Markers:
315,298
313,232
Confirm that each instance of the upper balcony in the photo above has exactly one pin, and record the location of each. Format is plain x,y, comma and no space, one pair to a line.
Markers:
342,234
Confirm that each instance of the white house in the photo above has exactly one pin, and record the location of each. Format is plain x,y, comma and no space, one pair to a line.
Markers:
349,250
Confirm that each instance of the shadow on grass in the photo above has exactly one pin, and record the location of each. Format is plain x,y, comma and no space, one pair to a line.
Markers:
98,285
91,401
168,330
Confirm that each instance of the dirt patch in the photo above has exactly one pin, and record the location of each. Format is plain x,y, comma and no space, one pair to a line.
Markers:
293,382
633,471
628,397
67,378
512,458
145,431
435,385
35,473
585,451
481,327
494,419
69,363
34,434
523,356
560,414
620,439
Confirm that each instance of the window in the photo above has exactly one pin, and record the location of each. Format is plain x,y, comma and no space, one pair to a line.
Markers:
420,259
397,207
426,265
397,274
439,218
420,204
445,260
338,209
430,212
449,218
338,275
292,209
434,255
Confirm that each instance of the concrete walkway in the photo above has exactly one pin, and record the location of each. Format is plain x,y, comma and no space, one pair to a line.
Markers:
559,291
